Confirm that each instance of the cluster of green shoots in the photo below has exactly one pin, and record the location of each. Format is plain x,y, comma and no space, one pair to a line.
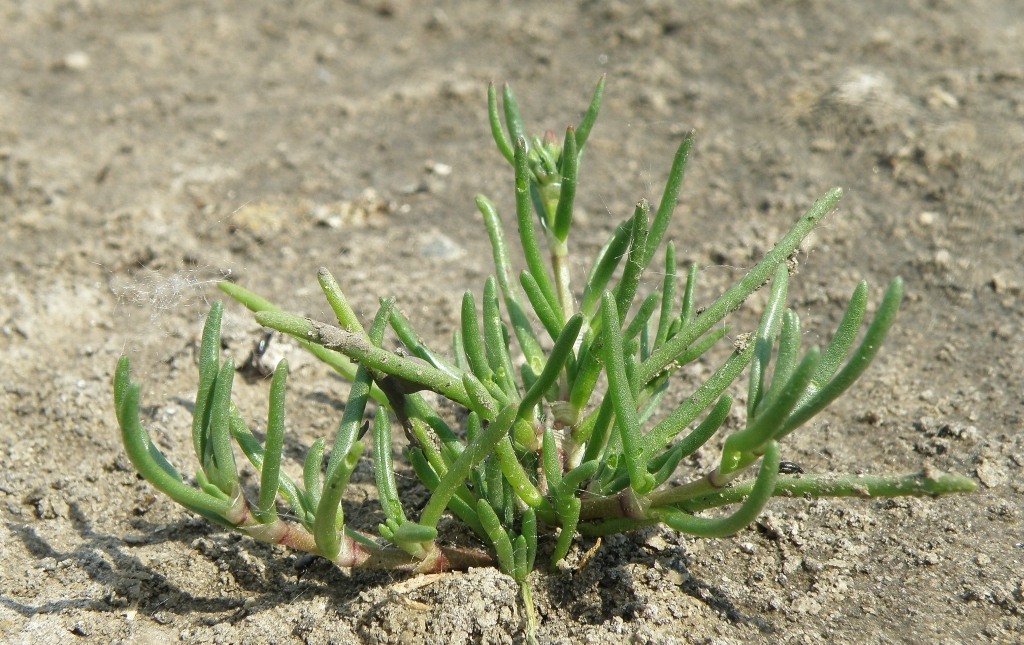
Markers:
565,430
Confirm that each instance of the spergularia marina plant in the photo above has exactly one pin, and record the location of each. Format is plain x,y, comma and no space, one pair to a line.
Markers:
571,425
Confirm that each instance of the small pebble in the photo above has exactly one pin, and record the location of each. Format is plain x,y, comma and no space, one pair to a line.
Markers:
76,61
990,474
438,168
438,245
80,629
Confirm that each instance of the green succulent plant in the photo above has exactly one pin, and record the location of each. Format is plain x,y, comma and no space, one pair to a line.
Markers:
560,386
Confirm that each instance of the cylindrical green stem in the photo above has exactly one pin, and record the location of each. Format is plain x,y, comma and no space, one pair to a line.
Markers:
913,485
359,349
270,477
477,449
735,295
622,398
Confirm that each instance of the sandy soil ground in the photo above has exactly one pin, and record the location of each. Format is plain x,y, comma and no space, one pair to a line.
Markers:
147,150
